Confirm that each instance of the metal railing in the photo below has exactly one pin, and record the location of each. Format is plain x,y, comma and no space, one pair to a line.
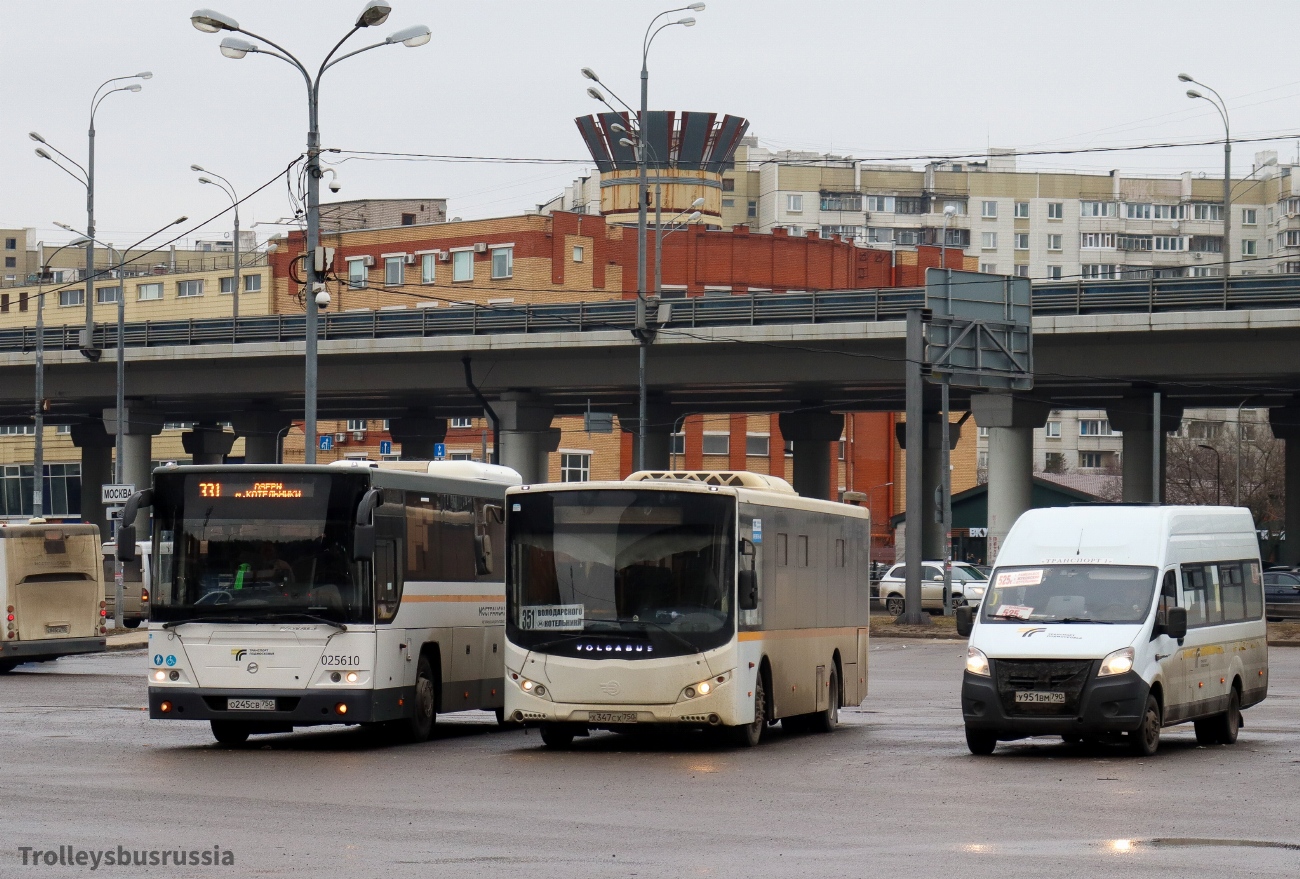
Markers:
1148,296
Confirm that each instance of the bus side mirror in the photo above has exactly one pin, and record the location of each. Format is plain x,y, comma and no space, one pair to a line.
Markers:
965,621
1176,624
126,531
363,532
747,585
483,554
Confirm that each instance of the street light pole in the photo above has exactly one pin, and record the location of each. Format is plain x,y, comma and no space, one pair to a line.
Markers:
1222,106
1237,483
375,13
1218,472
38,450
229,189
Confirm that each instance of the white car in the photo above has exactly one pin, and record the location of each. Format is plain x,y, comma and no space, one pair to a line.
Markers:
968,583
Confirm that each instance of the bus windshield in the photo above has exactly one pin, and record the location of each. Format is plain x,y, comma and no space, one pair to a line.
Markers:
1070,594
634,573
272,546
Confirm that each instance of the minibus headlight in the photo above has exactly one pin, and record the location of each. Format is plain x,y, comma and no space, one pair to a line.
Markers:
1117,663
976,662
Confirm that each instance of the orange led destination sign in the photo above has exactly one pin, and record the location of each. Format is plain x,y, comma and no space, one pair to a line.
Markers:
259,490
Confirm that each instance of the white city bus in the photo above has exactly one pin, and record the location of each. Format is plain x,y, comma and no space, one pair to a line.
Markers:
694,599
52,590
291,596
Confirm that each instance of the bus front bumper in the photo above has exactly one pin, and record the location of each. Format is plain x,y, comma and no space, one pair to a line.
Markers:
1106,705
292,707
716,709
51,648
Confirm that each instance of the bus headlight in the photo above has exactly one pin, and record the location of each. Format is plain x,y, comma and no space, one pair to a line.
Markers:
1117,663
532,687
160,675
976,662
705,687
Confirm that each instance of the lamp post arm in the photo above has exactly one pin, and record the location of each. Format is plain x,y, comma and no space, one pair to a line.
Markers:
284,54
95,107
348,55
645,42
95,99
326,63
67,158
70,174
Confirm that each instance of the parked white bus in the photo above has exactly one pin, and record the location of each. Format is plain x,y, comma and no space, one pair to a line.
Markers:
52,590
291,596
693,599
1117,619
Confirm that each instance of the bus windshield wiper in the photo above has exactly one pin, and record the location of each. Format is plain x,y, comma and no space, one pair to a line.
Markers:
1082,620
174,623
307,617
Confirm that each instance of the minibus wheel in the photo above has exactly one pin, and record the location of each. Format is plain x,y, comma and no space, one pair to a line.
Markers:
1221,729
1145,740
228,732
981,742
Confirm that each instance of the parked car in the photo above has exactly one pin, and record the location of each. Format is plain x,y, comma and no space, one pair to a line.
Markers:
1281,596
968,584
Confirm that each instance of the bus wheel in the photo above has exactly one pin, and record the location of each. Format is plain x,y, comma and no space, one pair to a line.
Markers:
419,727
229,732
131,624
751,734
557,736
7,666
826,721
1145,740
981,742
1226,725
894,605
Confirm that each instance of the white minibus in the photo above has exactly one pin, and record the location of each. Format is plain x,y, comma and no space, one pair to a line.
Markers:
1102,620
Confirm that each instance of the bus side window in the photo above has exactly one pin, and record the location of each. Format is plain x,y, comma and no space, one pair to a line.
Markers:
1195,595
1254,592
388,588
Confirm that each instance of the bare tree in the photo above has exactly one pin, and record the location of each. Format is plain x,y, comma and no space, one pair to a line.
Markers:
1190,470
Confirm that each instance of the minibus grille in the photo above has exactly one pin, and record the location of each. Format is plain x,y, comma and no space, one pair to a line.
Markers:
1068,676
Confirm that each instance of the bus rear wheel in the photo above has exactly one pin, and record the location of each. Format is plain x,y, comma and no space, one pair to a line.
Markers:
826,721
7,666
1221,729
229,732
751,734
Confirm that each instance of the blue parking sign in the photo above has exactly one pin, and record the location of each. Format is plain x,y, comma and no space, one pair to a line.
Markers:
386,447
439,451
326,442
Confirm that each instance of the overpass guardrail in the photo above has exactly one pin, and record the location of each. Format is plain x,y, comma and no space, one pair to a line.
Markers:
840,306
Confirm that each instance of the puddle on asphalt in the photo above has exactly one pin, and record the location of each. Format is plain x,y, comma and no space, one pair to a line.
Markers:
1126,846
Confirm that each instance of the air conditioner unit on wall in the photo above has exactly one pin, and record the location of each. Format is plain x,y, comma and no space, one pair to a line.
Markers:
480,247
369,261
444,256
340,438
359,435
410,259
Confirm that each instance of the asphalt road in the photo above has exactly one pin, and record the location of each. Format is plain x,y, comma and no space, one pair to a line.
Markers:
893,792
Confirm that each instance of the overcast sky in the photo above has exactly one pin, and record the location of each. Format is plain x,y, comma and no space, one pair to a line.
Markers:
500,78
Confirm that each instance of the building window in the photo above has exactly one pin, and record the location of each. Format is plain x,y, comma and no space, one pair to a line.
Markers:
460,423
1022,271
148,292
841,201
356,424
394,271
988,240
226,285
1249,246
357,273
1097,240
408,219
983,433
1090,460
1201,430
1022,241
1096,208
17,429
428,268
106,295
1248,216
62,489
728,184
11,244
1169,242
880,203
958,206
989,209
72,297
1055,210
1053,430
757,444
989,268
1097,272
1022,210
575,466
717,444
503,262
577,254
1094,427
189,289
1207,212
1135,243
1053,273
679,444
1137,211
11,262
794,202
252,283
911,204
1167,212
462,265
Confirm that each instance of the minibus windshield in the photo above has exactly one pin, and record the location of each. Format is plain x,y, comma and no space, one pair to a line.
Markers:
1070,594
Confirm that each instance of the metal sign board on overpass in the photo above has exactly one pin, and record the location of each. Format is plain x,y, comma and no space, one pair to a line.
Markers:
980,333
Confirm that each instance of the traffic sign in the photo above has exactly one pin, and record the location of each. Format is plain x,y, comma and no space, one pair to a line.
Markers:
439,451
115,494
326,442
385,447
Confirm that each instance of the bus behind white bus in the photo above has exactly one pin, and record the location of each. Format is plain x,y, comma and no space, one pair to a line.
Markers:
715,600
295,596
52,590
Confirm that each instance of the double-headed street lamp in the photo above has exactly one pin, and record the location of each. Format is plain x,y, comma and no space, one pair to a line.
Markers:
374,13
1222,106
87,180
636,138
229,189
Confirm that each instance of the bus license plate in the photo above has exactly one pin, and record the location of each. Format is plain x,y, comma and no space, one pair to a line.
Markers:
250,704
56,630
1036,697
611,717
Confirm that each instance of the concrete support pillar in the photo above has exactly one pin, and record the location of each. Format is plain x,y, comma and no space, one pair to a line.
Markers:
527,439
138,426
660,420
418,433
811,433
1285,422
1134,417
1010,421
207,444
262,429
933,542
96,469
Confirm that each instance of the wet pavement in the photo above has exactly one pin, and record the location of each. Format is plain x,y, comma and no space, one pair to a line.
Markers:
893,792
